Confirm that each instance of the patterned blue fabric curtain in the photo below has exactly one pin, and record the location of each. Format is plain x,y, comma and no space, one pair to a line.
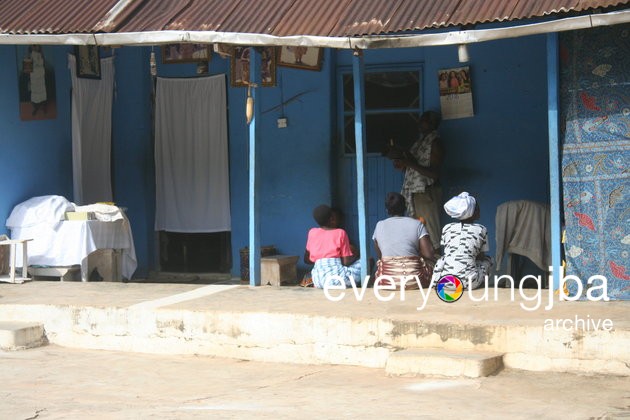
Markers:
595,119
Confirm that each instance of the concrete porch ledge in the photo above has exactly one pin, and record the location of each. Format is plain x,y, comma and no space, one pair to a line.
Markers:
299,325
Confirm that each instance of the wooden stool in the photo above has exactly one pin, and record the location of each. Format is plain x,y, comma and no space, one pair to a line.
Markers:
12,261
277,269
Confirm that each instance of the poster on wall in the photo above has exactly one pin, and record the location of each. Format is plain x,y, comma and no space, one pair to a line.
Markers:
36,79
301,57
240,66
88,61
186,53
455,93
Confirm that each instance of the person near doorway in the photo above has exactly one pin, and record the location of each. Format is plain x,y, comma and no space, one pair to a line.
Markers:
465,244
403,248
421,164
328,248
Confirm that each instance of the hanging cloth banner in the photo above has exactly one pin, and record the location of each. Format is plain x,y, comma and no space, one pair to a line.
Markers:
191,155
92,133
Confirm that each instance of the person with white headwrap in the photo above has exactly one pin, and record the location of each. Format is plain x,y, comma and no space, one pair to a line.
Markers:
461,207
465,244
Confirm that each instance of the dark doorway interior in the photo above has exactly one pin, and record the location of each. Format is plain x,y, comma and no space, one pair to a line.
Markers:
195,252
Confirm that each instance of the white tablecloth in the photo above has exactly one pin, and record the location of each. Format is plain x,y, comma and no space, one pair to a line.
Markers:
70,242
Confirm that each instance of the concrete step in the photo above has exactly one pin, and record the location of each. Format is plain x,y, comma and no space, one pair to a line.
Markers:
21,335
442,362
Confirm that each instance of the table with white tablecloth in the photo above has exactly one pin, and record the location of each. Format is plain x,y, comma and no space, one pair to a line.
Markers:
70,242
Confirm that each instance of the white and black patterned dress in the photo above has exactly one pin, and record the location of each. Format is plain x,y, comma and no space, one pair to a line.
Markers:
462,243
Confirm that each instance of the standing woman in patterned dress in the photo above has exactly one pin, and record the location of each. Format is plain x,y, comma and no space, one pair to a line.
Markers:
421,187
465,244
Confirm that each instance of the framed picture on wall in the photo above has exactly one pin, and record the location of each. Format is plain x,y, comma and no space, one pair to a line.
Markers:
240,66
36,83
88,61
308,58
186,53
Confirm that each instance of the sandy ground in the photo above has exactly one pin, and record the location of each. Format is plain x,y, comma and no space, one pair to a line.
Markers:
59,383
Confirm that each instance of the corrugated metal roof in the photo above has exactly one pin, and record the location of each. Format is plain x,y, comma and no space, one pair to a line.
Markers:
418,15
524,10
153,16
365,17
470,12
596,4
206,15
328,18
250,17
307,17
52,16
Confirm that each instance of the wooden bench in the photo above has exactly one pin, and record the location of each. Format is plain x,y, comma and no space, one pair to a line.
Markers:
278,269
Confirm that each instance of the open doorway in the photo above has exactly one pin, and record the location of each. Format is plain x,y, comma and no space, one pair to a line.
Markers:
192,175
393,102
195,252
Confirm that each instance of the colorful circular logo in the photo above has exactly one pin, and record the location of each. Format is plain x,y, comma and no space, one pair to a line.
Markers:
449,288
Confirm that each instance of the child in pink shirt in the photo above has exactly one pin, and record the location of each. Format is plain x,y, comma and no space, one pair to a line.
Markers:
328,247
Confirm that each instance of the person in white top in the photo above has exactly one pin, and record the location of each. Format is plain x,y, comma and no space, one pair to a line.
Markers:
403,247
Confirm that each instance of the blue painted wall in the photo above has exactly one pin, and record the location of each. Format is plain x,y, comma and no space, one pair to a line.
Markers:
296,168
35,156
296,161
501,153
132,151
498,155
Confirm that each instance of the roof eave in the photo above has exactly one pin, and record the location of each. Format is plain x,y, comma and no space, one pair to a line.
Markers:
365,42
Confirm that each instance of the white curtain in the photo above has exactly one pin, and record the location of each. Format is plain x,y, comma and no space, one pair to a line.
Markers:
92,133
191,155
